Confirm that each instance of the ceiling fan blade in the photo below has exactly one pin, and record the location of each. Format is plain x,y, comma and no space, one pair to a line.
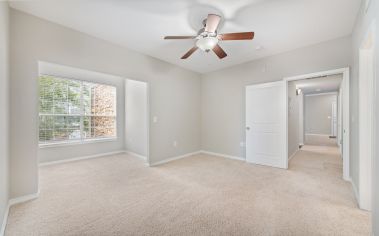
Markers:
180,37
237,36
219,51
212,23
189,53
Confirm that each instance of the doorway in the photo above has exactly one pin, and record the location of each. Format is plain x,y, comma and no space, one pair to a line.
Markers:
297,125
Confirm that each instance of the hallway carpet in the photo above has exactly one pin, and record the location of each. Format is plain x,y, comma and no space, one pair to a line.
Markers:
199,195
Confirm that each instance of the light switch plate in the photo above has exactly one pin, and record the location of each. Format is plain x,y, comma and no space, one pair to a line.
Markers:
155,119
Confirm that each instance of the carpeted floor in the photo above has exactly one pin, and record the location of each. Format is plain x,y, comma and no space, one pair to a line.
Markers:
323,140
199,195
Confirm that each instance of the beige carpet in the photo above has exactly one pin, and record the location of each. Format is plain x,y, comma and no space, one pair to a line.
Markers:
324,140
200,195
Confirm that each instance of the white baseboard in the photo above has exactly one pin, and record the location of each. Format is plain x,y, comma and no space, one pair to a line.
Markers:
81,158
356,194
223,155
136,155
5,219
174,158
22,199
293,154
12,202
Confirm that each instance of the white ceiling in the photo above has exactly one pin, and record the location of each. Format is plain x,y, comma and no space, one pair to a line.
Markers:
320,85
279,25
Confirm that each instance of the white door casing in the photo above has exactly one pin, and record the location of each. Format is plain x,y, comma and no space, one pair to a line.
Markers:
265,126
366,118
334,118
345,107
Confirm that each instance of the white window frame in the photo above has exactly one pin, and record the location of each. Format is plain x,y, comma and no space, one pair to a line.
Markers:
81,140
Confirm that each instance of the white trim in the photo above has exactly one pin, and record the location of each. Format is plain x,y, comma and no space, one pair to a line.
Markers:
223,155
148,122
321,94
346,119
22,199
174,158
5,220
317,74
81,158
76,142
318,134
136,155
355,190
366,101
12,202
294,154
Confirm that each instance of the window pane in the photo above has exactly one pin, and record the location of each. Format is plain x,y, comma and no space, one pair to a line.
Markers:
75,110
59,122
74,93
60,134
103,100
103,126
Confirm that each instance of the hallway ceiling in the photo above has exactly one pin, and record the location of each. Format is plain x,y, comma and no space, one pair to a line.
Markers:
320,85
279,25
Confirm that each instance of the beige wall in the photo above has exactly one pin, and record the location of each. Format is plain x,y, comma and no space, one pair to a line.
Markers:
318,113
135,117
363,23
223,92
293,119
174,92
4,110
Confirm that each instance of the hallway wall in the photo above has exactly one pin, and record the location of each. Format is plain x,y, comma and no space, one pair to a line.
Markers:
293,119
318,113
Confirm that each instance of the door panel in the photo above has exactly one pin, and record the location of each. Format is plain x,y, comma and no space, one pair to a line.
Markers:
265,124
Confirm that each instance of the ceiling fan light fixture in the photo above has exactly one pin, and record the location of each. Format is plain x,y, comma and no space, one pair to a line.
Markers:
207,43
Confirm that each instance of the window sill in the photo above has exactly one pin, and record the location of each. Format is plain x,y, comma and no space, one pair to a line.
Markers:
73,143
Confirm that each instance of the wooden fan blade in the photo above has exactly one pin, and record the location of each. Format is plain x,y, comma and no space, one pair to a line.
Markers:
237,36
189,53
179,37
212,23
219,51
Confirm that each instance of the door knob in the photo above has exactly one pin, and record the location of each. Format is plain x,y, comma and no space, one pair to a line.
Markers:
247,128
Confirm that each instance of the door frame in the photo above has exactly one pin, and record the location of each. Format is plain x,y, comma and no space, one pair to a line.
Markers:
367,95
346,110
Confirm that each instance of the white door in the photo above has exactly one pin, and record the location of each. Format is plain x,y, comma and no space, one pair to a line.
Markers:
266,124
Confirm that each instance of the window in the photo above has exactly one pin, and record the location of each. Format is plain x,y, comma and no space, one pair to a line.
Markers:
75,111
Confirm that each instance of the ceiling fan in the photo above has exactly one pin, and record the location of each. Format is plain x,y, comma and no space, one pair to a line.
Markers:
207,38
